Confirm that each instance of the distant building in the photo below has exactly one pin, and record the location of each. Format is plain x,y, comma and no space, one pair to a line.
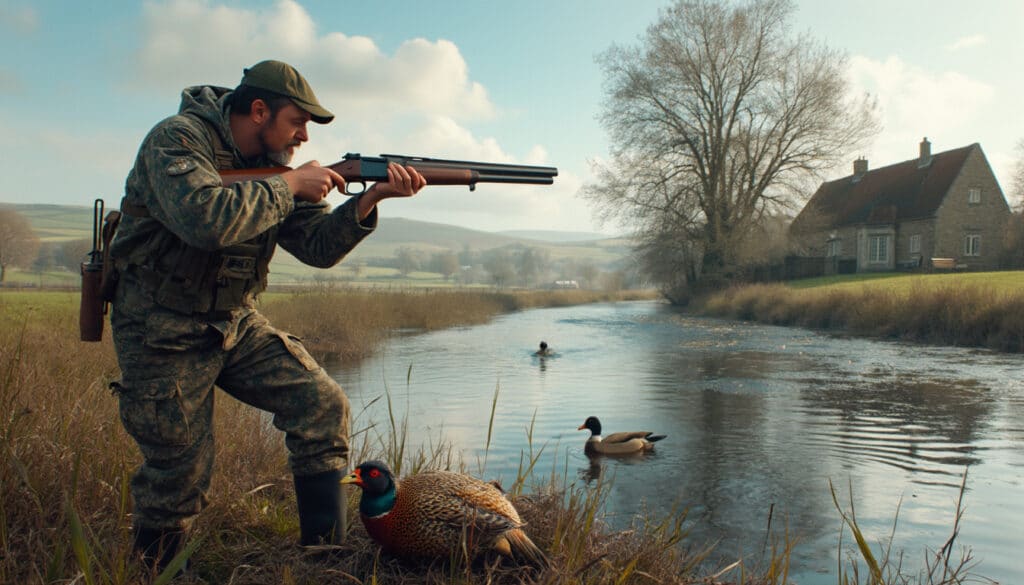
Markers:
565,284
936,211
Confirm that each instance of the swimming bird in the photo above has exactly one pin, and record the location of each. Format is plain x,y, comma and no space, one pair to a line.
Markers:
432,514
622,443
544,350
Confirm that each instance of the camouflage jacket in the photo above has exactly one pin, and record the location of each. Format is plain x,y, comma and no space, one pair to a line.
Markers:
203,249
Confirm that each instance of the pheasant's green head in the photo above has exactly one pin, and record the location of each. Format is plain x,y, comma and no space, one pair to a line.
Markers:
378,485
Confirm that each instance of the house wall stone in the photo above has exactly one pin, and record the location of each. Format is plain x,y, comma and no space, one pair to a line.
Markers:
847,242
957,217
925,229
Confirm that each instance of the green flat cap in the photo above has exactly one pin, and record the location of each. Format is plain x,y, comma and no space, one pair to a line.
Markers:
282,78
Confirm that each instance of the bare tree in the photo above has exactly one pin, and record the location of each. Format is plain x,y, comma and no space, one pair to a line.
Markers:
532,264
500,266
407,260
719,118
446,263
18,243
72,253
1016,194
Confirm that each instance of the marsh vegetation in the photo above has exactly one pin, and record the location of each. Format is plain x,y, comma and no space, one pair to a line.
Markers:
66,463
982,309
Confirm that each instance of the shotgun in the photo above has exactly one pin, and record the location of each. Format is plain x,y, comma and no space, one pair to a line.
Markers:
358,169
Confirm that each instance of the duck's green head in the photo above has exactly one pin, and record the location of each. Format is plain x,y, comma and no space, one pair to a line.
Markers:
591,424
378,485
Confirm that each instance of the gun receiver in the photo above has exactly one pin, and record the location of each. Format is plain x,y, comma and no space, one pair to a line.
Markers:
358,169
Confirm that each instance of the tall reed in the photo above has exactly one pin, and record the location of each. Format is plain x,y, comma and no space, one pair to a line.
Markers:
349,323
940,567
946,313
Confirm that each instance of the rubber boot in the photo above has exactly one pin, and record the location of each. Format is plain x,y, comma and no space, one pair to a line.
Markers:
159,547
322,508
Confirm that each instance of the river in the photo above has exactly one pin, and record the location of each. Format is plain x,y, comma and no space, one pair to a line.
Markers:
759,420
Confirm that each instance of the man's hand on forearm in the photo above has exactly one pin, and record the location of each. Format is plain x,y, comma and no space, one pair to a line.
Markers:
402,182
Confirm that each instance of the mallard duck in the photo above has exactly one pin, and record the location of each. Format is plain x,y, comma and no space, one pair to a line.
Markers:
622,443
430,515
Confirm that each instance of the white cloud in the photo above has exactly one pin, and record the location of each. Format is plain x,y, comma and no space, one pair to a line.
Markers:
967,42
347,72
20,19
417,101
944,106
1003,163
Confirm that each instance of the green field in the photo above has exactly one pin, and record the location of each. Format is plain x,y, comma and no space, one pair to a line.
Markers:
60,223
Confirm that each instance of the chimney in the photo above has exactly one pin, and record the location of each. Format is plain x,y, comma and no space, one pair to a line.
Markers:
926,153
860,166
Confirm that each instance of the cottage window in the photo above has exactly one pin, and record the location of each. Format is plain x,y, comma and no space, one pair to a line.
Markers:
834,248
972,245
878,249
915,244
974,195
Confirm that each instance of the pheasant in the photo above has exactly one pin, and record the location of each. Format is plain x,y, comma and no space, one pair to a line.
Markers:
433,514
621,443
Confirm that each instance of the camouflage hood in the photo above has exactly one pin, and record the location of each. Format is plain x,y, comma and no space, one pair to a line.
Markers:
209,103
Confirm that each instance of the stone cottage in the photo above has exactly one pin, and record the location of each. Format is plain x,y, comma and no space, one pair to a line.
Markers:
938,211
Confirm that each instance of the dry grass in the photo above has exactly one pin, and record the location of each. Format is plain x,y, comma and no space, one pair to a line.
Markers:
66,463
944,312
350,323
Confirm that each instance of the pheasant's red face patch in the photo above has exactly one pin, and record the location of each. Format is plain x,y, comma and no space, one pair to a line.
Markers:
374,473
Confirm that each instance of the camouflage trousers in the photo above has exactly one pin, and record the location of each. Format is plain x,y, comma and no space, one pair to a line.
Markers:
170,364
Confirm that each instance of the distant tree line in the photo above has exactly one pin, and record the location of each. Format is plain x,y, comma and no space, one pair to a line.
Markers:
515,265
19,245
510,266
21,248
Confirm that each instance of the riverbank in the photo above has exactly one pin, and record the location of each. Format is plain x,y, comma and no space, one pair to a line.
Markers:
350,323
969,310
66,464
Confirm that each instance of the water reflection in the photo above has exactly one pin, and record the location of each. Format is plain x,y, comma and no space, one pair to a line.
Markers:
759,421
928,427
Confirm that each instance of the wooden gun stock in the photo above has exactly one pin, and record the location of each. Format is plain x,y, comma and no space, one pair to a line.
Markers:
358,170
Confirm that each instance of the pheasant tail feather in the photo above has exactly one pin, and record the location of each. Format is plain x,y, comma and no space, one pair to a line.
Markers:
522,547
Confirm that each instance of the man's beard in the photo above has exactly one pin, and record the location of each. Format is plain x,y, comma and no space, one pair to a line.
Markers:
279,157
283,158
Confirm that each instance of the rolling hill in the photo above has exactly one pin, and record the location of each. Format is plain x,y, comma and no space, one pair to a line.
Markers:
59,223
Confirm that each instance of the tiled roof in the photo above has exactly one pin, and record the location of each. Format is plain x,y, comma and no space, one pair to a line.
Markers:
895,193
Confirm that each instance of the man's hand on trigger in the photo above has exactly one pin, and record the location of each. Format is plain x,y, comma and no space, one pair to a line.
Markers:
312,182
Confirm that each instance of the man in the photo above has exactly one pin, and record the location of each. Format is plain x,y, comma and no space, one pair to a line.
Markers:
192,256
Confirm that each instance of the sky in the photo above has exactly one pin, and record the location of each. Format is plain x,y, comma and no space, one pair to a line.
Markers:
81,83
